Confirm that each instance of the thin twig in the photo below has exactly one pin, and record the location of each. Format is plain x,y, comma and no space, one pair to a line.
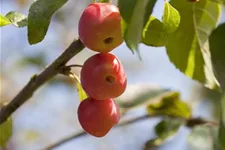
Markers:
37,80
82,133
192,122
74,65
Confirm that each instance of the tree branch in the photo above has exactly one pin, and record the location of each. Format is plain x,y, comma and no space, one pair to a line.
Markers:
192,122
82,133
37,80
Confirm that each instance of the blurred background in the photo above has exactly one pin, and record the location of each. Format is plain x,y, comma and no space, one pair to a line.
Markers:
51,114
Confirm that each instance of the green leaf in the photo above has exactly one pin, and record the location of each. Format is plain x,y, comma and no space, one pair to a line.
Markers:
170,105
134,16
17,19
221,135
165,130
187,46
171,18
40,14
219,1
144,94
4,21
104,1
154,33
217,44
5,131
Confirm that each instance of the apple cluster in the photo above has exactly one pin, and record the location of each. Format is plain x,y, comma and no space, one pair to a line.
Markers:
102,76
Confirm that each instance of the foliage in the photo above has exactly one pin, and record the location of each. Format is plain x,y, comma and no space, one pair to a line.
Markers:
40,14
6,132
170,105
134,18
156,33
104,1
4,21
15,18
188,47
81,93
217,42
194,44
164,130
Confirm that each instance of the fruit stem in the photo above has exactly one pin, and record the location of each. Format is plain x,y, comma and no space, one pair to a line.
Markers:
74,65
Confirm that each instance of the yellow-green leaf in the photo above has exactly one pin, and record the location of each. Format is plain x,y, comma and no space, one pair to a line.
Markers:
171,18
154,33
4,21
81,93
5,132
170,105
187,46
104,1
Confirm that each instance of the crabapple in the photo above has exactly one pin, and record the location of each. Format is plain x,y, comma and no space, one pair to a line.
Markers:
98,117
103,76
99,27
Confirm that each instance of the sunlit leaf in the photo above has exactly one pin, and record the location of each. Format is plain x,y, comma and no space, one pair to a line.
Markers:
5,132
154,33
218,1
164,130
17,19
104,1
217,46
171,18
170,105
4,21
187,46
81,93
40,14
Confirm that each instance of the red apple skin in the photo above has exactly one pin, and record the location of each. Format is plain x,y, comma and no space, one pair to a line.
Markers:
98,117
103,76
99,27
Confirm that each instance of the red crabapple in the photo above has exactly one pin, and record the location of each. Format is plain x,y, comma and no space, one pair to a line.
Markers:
98,117
103,76
100,28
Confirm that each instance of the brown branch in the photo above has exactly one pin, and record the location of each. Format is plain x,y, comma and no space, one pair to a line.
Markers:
192,122
37,80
